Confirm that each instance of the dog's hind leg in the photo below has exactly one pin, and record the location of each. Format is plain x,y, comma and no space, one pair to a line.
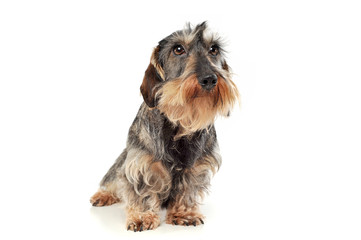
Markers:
107,193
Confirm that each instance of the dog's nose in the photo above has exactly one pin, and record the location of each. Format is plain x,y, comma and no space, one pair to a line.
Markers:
208,82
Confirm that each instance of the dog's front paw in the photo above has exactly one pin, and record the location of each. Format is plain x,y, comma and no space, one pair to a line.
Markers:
140,221
185,218
103,198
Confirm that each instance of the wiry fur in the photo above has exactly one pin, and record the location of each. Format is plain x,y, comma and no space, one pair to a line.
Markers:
187,105
172,150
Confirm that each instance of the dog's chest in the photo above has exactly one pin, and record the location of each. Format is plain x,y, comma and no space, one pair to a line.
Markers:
185,151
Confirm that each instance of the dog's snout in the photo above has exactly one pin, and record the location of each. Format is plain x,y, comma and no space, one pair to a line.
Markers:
208,82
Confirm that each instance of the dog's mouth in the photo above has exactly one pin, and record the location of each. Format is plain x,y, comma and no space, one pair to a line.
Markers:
201,93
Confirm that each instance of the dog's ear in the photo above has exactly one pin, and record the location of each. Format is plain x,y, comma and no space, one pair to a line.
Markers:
152,77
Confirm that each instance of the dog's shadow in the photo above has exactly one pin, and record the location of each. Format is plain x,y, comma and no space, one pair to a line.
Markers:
113,218
110,217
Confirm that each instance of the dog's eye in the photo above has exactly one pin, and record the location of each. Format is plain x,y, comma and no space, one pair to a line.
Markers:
214,50
179,50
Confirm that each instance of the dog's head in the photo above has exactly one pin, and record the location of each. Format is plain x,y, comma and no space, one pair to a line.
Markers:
189,80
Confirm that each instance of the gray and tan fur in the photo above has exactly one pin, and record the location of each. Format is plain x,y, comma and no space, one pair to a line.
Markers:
172,150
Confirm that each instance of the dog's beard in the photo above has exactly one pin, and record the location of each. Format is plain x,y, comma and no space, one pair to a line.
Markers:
186,104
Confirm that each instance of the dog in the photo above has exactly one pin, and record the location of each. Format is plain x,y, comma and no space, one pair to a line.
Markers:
172,150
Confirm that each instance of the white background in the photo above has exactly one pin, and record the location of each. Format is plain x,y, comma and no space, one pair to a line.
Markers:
70,73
